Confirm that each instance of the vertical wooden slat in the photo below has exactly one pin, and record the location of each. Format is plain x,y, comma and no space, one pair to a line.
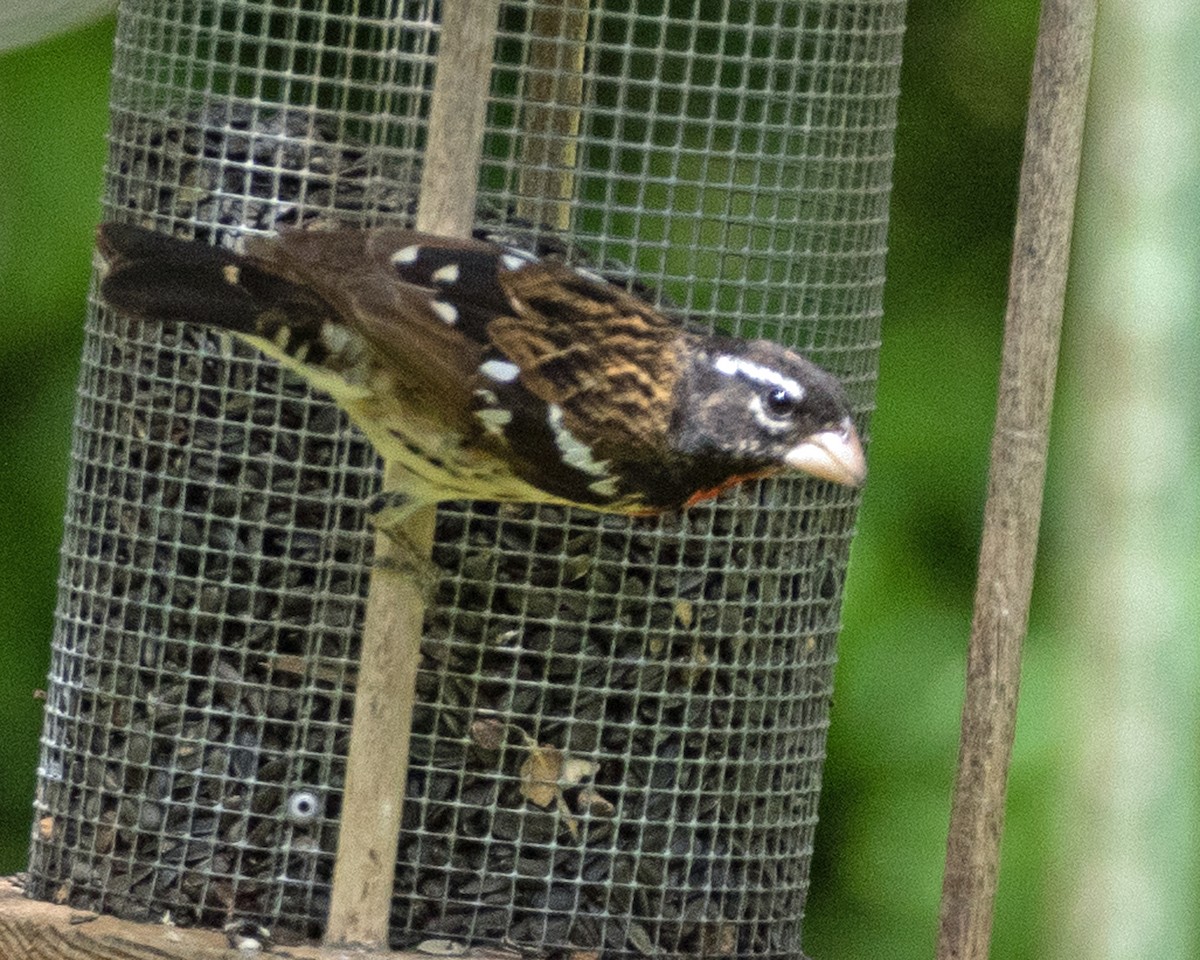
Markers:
1037,283
377,765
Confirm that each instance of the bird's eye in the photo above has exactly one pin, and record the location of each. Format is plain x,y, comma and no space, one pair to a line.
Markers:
780,403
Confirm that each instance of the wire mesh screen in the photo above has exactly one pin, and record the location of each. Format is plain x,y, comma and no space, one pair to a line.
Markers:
620,726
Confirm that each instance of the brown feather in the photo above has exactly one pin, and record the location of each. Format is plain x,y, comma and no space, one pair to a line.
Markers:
430,363
603,355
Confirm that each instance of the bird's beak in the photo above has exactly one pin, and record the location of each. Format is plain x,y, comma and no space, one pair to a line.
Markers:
835,454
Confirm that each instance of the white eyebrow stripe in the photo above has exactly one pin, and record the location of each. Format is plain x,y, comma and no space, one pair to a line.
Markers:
733,366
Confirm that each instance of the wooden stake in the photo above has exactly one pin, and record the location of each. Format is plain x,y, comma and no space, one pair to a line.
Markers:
551,104
377,765
1041,245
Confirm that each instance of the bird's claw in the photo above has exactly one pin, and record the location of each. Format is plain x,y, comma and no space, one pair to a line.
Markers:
391,509
390,513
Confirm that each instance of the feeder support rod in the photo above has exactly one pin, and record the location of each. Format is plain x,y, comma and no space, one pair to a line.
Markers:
1041,246
360,903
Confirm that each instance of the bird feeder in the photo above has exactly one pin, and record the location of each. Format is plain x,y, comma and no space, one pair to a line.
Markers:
613,729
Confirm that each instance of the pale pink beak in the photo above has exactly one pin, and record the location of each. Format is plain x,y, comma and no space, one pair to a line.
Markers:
835,455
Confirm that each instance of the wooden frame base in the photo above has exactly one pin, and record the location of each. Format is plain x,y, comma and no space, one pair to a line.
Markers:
33,930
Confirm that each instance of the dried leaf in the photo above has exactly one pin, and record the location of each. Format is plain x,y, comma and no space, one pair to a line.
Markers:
685,613
489,733
568,819
547,771
591,801
540,774
575,769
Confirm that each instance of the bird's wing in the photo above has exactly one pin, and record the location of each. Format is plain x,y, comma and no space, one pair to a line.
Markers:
599,359
571,380
431,358
602,355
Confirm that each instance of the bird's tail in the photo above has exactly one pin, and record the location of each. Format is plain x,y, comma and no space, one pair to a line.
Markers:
153,276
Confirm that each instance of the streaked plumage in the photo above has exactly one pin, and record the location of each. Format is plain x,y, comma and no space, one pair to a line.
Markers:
489,373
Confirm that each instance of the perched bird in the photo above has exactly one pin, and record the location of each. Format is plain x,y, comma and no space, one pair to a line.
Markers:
488,373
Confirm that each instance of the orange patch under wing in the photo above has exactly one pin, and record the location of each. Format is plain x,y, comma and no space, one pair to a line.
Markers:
701,495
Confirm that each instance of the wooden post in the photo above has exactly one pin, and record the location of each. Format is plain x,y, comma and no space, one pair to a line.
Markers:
551,111
1041,246
377,765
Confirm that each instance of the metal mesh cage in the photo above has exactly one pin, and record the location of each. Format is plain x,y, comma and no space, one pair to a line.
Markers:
674,675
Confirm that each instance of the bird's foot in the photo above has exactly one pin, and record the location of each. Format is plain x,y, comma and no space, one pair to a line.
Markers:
391,513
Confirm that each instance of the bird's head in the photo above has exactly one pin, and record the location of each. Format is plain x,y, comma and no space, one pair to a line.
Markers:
762,409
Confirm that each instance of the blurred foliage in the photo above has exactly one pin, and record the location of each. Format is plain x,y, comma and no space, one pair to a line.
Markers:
892,746
53,117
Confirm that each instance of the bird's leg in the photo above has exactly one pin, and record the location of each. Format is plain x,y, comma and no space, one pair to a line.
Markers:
390,513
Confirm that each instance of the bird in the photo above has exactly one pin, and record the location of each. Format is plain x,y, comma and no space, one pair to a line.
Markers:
482,371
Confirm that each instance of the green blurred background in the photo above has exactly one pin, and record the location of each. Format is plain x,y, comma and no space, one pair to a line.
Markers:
885,806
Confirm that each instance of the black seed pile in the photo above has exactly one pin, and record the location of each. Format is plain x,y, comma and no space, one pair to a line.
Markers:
618,742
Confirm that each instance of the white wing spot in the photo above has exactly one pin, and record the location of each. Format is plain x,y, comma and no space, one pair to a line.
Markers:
589,275
487,396
606,487
406,255
501,371
494,420
514,257
446,274
733,366
447,311
335,337
232,273
574,452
